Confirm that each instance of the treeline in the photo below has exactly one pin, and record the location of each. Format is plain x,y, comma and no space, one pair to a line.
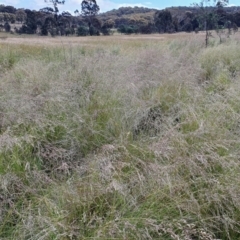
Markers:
179,19
45,22
125,20
174,19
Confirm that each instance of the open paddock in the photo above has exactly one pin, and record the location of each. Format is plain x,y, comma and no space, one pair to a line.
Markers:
119,137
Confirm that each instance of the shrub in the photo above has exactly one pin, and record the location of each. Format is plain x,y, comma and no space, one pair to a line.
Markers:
82,31
7,27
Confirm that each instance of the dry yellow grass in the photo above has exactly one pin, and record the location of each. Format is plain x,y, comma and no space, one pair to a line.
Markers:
38,40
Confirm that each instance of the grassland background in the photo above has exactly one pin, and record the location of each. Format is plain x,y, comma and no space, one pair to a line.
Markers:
80,158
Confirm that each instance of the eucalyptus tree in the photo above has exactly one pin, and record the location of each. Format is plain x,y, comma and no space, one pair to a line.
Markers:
89,11
51,23
163,20
208,16
54,4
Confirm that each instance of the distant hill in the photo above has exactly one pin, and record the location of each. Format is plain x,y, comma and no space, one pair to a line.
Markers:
127,11
140,17
142,11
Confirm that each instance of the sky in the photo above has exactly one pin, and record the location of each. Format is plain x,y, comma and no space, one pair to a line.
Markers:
105,5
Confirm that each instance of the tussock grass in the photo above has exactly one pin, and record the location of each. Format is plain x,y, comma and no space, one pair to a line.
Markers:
125,140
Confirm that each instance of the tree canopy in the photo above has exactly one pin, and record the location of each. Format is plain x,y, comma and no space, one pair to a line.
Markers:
89,8
55,4
163,20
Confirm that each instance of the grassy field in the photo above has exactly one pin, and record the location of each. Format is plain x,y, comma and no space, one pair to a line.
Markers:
120,137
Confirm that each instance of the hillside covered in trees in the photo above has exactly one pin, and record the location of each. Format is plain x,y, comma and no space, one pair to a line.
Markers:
126,20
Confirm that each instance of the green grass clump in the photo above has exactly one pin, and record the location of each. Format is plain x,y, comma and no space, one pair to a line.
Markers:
215,61
138,140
